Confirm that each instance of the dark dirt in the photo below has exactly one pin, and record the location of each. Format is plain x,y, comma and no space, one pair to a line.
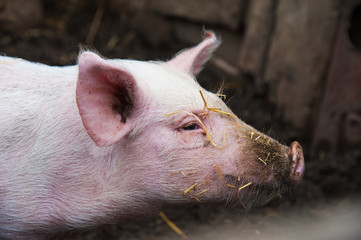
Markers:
323,206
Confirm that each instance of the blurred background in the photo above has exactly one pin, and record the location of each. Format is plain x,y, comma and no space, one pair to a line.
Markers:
290,68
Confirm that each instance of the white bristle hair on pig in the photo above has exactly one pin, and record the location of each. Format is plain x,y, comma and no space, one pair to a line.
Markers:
109,139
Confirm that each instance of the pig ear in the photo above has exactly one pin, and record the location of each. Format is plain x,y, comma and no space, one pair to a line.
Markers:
105,98
192,60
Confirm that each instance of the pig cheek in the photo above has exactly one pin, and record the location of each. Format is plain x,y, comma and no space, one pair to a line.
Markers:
189,163
170,153
188,139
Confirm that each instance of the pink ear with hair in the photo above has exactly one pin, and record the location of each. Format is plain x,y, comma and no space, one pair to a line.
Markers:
193,59
105,97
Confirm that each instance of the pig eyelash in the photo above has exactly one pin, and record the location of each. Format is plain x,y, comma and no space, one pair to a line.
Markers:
190,127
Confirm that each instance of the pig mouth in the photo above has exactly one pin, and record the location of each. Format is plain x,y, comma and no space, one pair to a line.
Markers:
249,193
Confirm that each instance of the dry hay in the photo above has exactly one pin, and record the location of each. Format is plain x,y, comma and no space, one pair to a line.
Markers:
172,225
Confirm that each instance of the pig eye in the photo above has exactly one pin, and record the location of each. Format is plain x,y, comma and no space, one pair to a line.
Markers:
190,127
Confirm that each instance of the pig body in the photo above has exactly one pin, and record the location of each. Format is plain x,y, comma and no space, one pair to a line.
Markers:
111,139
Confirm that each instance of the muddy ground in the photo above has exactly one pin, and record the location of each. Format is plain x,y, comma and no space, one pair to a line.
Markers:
324,206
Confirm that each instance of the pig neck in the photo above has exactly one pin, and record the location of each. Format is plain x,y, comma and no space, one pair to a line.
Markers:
93,182
103,191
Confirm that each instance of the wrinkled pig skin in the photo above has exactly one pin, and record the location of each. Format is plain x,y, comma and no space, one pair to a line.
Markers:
108,140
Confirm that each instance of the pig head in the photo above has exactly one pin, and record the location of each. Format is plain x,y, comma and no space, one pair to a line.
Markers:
111,139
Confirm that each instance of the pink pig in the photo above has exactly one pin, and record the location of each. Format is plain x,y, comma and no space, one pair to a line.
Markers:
108,140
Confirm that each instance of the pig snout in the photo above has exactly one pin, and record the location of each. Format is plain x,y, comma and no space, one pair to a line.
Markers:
271,169
297,163
266,161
